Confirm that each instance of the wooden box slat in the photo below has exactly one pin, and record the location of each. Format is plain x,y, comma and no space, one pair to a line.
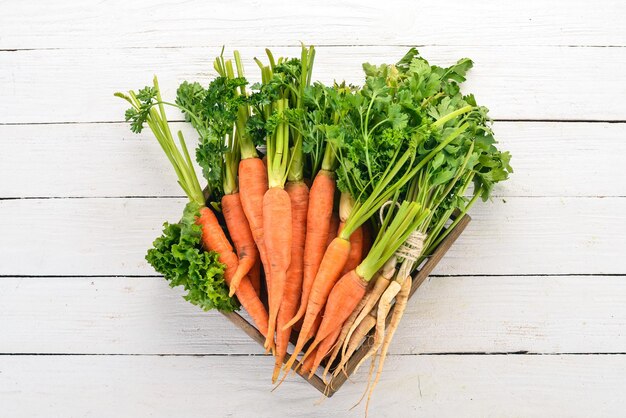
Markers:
335,384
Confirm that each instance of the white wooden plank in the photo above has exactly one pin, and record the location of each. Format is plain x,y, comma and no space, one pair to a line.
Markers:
60,24
507,236
443,386
65,237
562,314
78,160
514,82
541,236
563,159
103,160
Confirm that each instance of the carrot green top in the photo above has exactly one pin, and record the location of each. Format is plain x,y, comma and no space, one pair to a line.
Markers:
277,104
148,108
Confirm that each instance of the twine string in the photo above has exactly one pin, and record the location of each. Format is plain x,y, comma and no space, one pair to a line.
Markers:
412,247
410,251
381,211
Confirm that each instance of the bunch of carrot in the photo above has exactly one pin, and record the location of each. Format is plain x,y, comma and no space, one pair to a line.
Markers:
337,192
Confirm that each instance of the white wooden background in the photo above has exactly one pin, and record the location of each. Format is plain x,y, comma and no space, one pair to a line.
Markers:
525,317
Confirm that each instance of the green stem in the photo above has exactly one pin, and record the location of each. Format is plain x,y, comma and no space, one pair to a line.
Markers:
330,159
441,121
384,190
181,161
278,149
407,217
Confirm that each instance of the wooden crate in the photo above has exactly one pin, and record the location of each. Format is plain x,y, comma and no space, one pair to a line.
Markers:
335,384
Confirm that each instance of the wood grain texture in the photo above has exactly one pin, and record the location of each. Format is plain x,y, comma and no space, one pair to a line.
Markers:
60,24
99,160
522,82
121,315
507,236
448,386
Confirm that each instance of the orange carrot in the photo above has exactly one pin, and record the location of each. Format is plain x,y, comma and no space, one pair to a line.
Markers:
334,228
255,276
319,213
298,326
334,259
307,366
214,239
324,349
316,326
299,196
277,229
345,296
356,249
252,188
241,235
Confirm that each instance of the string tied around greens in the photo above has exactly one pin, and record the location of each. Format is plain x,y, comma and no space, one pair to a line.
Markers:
410,251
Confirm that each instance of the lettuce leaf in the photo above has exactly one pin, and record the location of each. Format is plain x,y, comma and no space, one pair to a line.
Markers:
178,255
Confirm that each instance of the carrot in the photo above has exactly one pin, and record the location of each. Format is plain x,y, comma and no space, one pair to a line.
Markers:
299,197
364,320
298,325
371,299
307,366
319,214
255,276
343,299
332,263
346,205
356,249
252,188
324,349
342,336
214,239
278,239
316,325
334,228
241,235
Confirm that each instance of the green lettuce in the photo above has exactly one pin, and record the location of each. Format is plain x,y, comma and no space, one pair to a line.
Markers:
178,255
